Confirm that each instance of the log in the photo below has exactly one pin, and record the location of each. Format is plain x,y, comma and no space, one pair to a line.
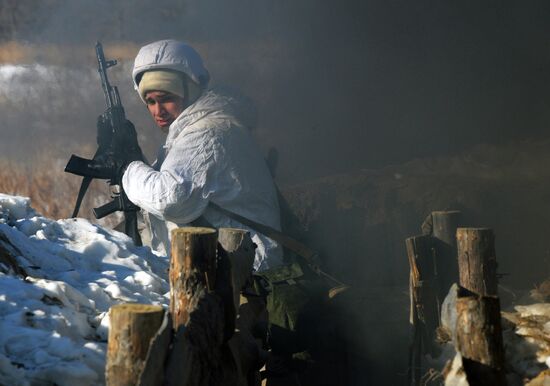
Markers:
477,260
478,328
479,339
424,303
423,281
444,226
200,319
245,350
132,327
192,265
153,367
240,250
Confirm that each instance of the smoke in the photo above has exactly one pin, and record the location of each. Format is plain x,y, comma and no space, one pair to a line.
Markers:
54,108
339,86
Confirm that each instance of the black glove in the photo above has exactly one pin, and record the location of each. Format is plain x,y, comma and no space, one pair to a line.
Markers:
121,140
117,145
109,166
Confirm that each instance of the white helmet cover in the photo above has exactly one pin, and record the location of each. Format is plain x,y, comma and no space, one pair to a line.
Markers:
170,55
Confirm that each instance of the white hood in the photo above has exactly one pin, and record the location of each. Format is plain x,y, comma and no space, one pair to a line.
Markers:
213,105
170,55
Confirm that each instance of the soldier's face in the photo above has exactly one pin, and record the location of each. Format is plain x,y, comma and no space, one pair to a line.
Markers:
164,107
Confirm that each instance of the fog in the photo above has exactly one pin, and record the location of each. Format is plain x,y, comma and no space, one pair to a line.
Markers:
339,86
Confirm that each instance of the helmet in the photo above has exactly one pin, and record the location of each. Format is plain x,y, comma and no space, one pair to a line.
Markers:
170,55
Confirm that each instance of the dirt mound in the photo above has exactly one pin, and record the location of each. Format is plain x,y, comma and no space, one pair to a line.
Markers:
359,221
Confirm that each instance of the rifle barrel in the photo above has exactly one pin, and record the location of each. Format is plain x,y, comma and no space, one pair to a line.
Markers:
102,66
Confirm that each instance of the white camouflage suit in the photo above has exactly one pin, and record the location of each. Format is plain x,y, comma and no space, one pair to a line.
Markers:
209,156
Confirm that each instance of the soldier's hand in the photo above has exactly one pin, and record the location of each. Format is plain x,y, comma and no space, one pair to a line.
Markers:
129,145
118,135
108,166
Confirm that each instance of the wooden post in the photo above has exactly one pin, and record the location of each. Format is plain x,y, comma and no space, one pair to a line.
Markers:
477,261
424,302
198,312
479,333
241,252
130,333
245,350
193,262
444,226
479,339
425,299
478,328
153,368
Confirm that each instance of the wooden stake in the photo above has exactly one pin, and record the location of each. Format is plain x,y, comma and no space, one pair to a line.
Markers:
197,297
245,350
193,262
241,252
154,365
477,261
478,328
130,333
479,339
424,302
445,224
479,333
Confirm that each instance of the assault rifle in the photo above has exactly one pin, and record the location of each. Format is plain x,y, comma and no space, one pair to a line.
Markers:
117,139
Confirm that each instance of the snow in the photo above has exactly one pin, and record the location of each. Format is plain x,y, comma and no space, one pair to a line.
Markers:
528,353
526,338
54,322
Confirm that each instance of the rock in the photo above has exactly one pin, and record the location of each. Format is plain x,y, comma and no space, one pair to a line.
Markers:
448,312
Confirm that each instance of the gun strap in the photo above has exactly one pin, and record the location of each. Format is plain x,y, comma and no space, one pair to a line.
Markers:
83,189
288,242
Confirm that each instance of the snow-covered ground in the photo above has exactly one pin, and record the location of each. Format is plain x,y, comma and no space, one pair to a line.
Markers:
526,338
54,321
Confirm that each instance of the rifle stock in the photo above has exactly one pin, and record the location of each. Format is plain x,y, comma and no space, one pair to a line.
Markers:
83,167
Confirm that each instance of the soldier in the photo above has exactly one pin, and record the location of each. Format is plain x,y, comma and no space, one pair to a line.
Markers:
209,155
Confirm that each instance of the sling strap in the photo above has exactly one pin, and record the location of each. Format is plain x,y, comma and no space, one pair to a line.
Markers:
302,250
